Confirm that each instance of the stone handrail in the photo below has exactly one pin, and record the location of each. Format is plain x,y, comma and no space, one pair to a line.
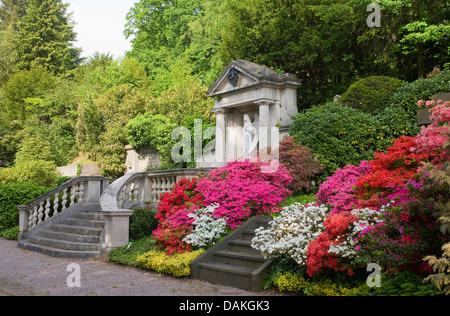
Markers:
76,190
139,189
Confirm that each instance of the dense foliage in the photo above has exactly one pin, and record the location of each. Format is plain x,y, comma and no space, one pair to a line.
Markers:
12,195
337,134
371,94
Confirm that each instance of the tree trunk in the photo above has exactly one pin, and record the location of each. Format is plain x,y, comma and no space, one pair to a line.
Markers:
420,61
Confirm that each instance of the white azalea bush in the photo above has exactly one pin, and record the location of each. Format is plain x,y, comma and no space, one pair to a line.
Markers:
290,233
207,228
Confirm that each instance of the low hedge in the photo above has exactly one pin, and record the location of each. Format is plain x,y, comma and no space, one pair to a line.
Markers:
12,195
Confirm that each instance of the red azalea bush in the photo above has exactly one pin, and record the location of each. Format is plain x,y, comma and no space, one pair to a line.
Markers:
242,189
174,223
319,257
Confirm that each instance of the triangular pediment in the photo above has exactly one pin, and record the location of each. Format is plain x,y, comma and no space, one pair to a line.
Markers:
248,74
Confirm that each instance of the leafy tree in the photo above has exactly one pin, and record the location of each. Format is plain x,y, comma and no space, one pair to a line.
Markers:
34,149
28,85
160,29
413,37
6,54
46,37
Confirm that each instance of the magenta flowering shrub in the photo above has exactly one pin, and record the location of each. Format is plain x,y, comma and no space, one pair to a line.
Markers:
338,192
243,190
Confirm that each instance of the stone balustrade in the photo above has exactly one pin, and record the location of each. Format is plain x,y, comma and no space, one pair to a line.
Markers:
80,190
136,190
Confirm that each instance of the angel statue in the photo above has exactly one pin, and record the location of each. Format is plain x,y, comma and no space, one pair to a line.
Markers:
250,135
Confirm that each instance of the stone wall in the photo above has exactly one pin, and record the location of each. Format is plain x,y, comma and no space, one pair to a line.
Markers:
138,160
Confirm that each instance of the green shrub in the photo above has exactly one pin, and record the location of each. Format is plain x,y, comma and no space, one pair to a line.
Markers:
42,173
339,135
112,159
371,94
395,122
177,265
10,233
422,89
12,195
402,284
142,223
152,130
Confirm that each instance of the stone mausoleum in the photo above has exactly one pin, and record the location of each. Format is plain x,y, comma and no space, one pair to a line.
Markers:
254,107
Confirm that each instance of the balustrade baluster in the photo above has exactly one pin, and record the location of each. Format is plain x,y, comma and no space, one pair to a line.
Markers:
32,220
56,204
164,185
41,212
73,194
47,209
80,194
136,192
64,200
158,188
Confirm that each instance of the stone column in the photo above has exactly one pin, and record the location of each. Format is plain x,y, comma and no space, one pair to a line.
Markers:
220,137
264,124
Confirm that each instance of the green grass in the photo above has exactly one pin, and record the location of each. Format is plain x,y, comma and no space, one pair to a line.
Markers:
127,255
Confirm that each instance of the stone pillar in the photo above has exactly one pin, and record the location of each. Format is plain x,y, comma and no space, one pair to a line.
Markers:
264,124
117,229
93,191
23,221
220,136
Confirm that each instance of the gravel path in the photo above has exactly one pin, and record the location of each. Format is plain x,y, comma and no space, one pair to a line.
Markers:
25,273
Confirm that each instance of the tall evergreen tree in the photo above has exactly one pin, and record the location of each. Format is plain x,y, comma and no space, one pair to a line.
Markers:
46,37
10,12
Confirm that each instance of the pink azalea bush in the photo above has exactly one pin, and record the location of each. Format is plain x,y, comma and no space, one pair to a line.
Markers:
338,190
243,190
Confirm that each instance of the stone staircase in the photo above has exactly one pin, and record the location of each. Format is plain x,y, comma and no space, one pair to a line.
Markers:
78,236
233,262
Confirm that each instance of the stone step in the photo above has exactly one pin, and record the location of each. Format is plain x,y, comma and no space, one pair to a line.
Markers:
79,230
84,223
238,259
93,216
70,237
242,246
64,245
55,252
248,234
233,262
226,274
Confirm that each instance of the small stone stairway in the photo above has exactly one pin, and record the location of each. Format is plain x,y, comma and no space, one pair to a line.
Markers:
233,262
78,236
